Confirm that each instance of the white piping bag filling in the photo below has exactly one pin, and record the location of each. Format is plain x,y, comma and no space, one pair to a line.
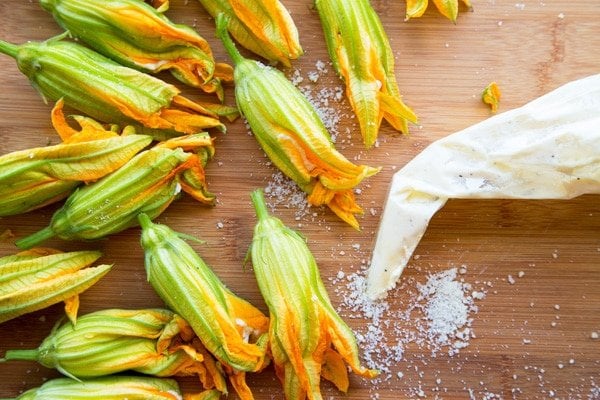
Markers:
546,149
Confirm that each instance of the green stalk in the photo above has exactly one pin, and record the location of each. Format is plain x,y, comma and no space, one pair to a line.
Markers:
144,221
223,34
260,205
9,49
35,238
23,355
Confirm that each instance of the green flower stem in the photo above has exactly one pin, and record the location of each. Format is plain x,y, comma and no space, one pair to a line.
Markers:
35,239
260,205
23,355
223,34
9,49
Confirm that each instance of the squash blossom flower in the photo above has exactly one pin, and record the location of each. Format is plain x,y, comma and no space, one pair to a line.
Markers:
113,388
147,183
230,328
135,34
110,92
361,54
34,178
491,95
308,339
152,341
38,278
448,8
262,26
291,133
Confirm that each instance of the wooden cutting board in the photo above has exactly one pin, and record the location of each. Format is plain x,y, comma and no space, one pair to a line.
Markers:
536,262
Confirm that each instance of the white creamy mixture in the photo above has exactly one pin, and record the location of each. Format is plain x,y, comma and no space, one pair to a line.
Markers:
546,149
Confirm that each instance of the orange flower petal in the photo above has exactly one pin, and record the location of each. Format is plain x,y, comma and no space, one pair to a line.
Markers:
335,371
491,95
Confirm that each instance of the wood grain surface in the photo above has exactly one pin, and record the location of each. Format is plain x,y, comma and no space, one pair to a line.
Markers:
532,339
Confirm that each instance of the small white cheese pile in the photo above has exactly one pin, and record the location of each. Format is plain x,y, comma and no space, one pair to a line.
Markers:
546,149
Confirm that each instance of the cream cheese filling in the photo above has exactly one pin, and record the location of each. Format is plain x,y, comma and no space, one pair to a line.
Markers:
546,149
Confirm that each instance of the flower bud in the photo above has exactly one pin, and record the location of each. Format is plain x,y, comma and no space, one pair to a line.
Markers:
229,327
135,34
113,388
36,177
35,279
148,183
308,338
262,26
108,91
291,133
361,54
153,341
448,8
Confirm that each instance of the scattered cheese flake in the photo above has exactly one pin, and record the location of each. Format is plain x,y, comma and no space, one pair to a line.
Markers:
321,66
313,76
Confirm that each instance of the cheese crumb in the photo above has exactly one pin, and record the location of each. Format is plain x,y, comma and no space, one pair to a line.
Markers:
313,76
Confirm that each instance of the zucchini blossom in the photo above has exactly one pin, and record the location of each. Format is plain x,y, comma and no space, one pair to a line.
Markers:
264,27
38,278
308,339
293,136
152,341
110,92
361,54
231,329
147,183
33,178
448,8
113,388
137,35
